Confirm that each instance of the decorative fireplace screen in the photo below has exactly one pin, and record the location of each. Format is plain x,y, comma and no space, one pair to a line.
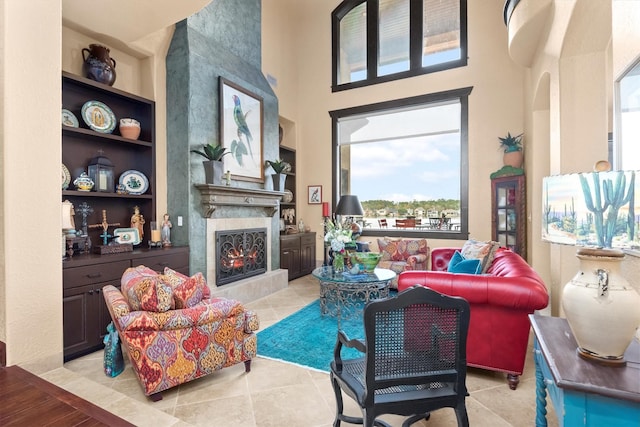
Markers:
240,254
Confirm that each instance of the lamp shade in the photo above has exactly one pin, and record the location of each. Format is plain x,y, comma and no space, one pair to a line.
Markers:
349,205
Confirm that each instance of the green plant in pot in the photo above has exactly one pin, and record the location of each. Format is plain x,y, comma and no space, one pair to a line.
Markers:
512,147
280,167
213,166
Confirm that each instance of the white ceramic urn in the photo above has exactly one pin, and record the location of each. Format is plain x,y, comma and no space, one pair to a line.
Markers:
601,307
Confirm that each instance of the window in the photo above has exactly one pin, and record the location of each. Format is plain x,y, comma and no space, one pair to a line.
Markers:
406,160
381,40
627,107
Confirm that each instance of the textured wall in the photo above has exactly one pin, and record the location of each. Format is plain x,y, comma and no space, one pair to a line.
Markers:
222,40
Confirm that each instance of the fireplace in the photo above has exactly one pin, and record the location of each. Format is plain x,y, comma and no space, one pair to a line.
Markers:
240,254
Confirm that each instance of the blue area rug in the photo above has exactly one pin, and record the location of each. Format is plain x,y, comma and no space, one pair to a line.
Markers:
307,338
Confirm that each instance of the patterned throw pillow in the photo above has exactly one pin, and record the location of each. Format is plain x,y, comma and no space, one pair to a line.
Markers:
401,250
145,290
389,250
187,291
484,251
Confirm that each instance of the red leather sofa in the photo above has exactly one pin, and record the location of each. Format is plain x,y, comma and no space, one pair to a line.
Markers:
500,302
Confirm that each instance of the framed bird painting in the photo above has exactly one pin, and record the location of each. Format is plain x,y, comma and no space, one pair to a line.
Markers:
241,126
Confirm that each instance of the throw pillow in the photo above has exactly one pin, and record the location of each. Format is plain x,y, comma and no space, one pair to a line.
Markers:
389,250
484,251
187,291
459,264
150,294
144,290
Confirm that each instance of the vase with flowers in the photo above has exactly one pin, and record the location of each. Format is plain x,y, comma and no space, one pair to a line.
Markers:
339,239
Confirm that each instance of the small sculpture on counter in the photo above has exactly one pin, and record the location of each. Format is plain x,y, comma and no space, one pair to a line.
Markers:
137,221
166,230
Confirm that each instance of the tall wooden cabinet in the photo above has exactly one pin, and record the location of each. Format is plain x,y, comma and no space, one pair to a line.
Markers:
85,315
508,213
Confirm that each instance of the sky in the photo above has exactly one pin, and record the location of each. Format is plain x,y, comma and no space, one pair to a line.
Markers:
412,154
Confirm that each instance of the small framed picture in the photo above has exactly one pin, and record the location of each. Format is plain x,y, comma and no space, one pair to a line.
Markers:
315,194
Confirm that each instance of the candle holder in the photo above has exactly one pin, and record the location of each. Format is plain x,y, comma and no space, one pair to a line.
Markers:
156,235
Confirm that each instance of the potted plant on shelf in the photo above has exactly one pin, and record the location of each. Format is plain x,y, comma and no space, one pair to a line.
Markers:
280,167
512,146
213,166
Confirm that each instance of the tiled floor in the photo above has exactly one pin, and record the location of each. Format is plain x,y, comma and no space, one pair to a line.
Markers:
276,394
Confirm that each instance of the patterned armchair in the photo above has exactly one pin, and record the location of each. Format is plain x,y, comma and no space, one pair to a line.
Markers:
174,332
403,255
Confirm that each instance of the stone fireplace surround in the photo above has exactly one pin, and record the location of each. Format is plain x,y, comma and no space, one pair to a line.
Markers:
260,207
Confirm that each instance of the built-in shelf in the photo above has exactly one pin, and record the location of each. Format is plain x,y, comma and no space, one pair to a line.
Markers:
218,195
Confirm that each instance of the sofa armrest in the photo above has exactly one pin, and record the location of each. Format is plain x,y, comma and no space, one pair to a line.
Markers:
116,303
524,293
417,262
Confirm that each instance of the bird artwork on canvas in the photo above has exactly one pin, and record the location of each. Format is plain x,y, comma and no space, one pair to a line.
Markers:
238,147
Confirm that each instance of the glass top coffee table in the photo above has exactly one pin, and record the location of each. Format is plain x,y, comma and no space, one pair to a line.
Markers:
344,294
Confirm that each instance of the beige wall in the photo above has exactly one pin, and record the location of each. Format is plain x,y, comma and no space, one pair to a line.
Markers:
495,104
30,143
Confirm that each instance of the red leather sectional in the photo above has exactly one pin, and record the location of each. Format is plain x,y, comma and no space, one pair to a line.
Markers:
500,302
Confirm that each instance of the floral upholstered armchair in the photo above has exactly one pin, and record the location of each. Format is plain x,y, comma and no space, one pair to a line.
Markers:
174,332
401,255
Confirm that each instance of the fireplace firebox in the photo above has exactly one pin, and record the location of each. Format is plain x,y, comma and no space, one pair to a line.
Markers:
240,254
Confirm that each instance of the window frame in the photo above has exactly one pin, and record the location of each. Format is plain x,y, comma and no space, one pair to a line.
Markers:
462,96
415,44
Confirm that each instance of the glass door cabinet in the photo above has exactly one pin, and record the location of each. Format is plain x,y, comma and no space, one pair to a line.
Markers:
508,213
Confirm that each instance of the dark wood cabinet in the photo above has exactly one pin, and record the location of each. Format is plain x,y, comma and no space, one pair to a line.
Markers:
298,254
508,213
85,314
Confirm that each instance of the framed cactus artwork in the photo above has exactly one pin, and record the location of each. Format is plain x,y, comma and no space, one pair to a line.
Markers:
591,209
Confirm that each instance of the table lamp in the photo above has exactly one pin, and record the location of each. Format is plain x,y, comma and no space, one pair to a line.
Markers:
349,205
596,212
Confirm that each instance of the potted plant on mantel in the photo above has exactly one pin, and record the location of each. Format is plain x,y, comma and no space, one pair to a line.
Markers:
213,166
280,167
512,146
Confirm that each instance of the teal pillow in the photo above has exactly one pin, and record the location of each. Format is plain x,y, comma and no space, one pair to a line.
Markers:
459,264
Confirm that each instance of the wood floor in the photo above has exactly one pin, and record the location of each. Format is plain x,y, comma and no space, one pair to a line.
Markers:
28,400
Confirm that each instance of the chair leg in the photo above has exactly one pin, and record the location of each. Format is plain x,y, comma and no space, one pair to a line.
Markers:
339,403
155,396
247,365
415,418
461,415
513,380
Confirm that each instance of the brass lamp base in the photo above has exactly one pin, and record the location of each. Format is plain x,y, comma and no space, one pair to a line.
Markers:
611,361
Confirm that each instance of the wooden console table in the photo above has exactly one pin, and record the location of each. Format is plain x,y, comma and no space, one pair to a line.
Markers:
583,393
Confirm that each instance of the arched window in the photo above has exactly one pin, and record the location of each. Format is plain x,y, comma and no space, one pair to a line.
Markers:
381,40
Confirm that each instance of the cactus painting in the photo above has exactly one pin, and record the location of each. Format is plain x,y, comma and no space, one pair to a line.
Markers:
590,209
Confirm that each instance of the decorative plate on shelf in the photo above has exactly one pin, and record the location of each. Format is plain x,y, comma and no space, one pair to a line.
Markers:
66,177
135,182
98,116
69,119
127,235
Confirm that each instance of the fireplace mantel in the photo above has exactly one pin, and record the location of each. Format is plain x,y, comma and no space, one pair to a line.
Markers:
218,195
